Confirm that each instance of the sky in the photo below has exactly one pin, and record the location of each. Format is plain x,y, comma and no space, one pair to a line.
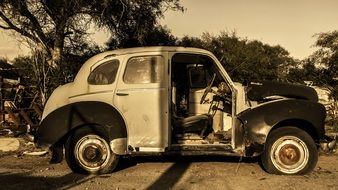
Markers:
289,23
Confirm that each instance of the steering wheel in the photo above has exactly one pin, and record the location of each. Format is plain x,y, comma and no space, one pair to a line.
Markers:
208,89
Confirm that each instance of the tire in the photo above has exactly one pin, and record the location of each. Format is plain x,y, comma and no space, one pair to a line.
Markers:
289,151
87,151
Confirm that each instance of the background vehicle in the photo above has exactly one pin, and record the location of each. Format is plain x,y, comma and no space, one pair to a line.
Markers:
175,100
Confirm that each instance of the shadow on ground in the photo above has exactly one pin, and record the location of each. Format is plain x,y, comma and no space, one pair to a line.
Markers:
133,161
26,181
181,163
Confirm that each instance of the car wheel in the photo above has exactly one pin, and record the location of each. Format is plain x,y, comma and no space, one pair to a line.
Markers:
87,151
290,151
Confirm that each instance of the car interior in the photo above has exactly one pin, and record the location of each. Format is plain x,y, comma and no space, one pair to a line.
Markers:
200,98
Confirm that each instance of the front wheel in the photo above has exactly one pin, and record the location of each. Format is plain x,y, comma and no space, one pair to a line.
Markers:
87,151
290,151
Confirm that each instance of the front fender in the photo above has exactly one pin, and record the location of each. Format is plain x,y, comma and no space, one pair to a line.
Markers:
58,123
259,121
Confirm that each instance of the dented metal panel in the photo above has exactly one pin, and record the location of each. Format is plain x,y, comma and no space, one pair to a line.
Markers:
260,91
260,120
133,108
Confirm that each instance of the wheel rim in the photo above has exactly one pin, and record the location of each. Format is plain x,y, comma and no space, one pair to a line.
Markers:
92,152
289,154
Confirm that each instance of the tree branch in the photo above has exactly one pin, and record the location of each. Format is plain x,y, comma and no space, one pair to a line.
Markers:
48,10
11,26
5,27
23,9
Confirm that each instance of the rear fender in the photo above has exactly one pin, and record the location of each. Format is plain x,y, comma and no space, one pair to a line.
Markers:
57,125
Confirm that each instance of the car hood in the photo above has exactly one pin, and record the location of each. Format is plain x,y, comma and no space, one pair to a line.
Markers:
261,90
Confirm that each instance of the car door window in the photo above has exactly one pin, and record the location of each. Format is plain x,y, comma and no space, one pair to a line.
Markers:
145,69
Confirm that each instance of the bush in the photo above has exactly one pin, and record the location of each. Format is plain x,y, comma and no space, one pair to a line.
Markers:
332,116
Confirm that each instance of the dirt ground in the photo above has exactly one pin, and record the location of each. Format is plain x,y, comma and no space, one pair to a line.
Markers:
35,172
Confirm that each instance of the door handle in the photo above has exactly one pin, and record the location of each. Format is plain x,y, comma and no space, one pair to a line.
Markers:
122,94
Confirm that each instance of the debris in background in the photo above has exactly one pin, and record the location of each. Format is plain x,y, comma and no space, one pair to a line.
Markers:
36,153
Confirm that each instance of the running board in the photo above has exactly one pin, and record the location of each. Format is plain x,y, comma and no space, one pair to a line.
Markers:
189,150
201,147
193,150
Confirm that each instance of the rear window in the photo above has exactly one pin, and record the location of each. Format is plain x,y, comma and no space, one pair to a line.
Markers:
104,73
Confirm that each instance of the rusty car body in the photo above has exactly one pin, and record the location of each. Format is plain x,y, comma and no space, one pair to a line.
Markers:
181,101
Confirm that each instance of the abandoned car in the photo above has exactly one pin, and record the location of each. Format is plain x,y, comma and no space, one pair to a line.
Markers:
178,101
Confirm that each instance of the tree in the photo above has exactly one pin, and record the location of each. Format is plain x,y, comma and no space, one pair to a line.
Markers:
326,61
51,26
34,70
322,66
153,36
188,41
305,70
243,59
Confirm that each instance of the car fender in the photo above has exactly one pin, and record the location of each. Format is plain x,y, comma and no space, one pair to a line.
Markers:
258,121
59,123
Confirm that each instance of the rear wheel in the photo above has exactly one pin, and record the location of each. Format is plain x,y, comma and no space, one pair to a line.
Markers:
88,151
289,150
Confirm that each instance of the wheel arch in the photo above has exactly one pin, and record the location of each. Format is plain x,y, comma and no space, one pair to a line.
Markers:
93,126
56,127
299,123
260,121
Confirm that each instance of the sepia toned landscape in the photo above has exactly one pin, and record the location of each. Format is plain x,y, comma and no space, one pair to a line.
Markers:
168,94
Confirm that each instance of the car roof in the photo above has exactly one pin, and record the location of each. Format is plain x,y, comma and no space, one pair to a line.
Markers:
101,56
116,52
155,48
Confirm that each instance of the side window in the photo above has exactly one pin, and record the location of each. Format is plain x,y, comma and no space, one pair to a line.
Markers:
104,73
142,70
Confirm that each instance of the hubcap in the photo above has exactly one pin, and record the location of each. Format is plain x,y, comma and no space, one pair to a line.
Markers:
92,152
289,154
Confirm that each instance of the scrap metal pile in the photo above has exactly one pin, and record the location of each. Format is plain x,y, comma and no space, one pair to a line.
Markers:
19,112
